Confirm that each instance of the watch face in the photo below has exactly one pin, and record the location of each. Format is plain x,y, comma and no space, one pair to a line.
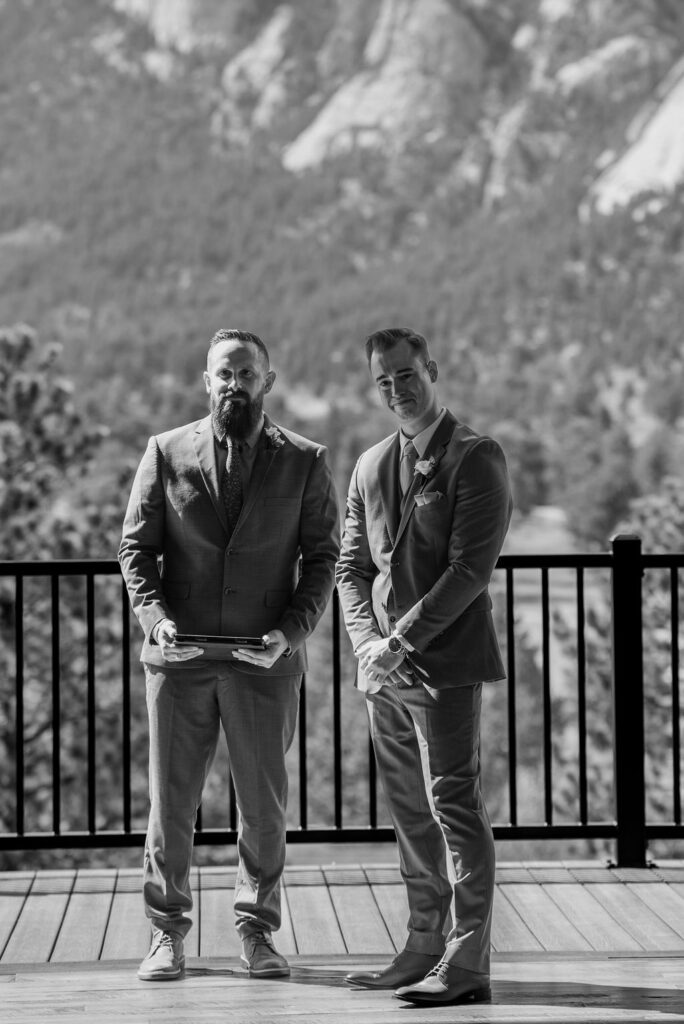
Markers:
394,645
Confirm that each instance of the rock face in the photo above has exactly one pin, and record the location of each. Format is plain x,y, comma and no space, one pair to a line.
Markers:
421,77
182,24
654,159
494,94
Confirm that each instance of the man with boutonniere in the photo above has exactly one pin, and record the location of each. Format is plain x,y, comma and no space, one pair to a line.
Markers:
427,512
228,553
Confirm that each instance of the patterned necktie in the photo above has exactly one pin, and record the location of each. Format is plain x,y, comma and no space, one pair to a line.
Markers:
231,484
407,466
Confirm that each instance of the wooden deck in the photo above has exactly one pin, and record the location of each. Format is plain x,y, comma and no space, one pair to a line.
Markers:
571,942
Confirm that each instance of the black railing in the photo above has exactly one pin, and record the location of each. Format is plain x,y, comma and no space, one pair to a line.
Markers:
573,628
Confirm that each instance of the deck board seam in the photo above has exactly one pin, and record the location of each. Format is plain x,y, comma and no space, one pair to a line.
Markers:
63,918
18,915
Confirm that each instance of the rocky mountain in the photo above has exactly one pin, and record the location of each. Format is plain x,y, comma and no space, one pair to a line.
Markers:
499,87
509,177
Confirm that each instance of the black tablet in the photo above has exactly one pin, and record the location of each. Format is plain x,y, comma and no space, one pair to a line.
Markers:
220,645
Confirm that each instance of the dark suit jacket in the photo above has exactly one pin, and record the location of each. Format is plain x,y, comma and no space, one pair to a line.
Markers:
425,571
275,572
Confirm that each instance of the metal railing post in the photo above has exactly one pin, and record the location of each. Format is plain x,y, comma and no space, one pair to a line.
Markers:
628,702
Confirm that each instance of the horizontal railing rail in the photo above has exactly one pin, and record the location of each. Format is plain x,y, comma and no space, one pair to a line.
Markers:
573,629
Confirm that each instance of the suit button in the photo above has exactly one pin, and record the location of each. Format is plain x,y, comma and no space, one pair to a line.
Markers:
228,590
393,618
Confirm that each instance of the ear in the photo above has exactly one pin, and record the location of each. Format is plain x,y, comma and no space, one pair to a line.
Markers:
207,382
270,381
432,370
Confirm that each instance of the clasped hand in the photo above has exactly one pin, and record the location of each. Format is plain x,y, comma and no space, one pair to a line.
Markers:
381,666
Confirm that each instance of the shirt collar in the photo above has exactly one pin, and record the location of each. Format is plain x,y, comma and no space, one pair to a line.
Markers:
422,440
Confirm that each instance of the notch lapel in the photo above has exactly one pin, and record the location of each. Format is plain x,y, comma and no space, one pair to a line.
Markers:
388,477
203,440
435,449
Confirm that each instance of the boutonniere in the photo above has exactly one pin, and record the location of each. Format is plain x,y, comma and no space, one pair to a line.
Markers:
275,438
426,467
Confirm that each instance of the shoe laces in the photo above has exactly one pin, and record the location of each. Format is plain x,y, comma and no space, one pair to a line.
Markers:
164,939
262,939
439,971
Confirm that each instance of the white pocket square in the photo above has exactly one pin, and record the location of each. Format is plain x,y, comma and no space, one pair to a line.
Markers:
428,497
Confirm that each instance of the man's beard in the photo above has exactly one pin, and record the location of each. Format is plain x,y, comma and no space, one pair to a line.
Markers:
236,419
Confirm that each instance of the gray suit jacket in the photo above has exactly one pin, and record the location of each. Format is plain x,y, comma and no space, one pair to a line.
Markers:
424,571
275,572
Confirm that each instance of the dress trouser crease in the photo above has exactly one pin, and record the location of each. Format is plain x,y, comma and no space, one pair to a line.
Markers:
186,710
426,744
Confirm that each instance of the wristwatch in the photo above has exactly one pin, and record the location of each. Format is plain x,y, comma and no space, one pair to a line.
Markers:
396,646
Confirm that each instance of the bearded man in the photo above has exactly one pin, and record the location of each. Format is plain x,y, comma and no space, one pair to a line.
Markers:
231,530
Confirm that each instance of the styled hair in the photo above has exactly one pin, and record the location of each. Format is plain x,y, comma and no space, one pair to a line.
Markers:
381,341
232,334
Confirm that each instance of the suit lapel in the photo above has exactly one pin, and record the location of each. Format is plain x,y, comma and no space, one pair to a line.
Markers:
266,453
203,440
435,449
388,477
262,463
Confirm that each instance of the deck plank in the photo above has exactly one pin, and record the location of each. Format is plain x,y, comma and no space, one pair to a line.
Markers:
536,990
637,918
81,936
38,925
314,920
14,888
591,918
393,905
509,931
664,901
544,918
128,930
217,933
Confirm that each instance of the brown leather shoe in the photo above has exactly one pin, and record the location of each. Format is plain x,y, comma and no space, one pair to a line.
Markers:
447,983
261,958
404,969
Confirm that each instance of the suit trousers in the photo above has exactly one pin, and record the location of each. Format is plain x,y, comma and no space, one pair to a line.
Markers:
258,714
426,745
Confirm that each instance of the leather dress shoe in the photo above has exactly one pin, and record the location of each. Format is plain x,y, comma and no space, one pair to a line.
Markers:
446,983
165,960
406,967
261,958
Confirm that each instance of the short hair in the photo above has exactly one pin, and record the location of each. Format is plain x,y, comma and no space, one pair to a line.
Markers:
233,334
381,341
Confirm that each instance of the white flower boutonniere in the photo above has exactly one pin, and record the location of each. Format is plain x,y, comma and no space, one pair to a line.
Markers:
275,438
426,467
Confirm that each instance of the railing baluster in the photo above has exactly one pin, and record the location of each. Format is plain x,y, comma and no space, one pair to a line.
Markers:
90,634
582,699
372,787
337,711
56,709
676,737
126,707
233,803
19,701
303,794
546,685
512,724
628,702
